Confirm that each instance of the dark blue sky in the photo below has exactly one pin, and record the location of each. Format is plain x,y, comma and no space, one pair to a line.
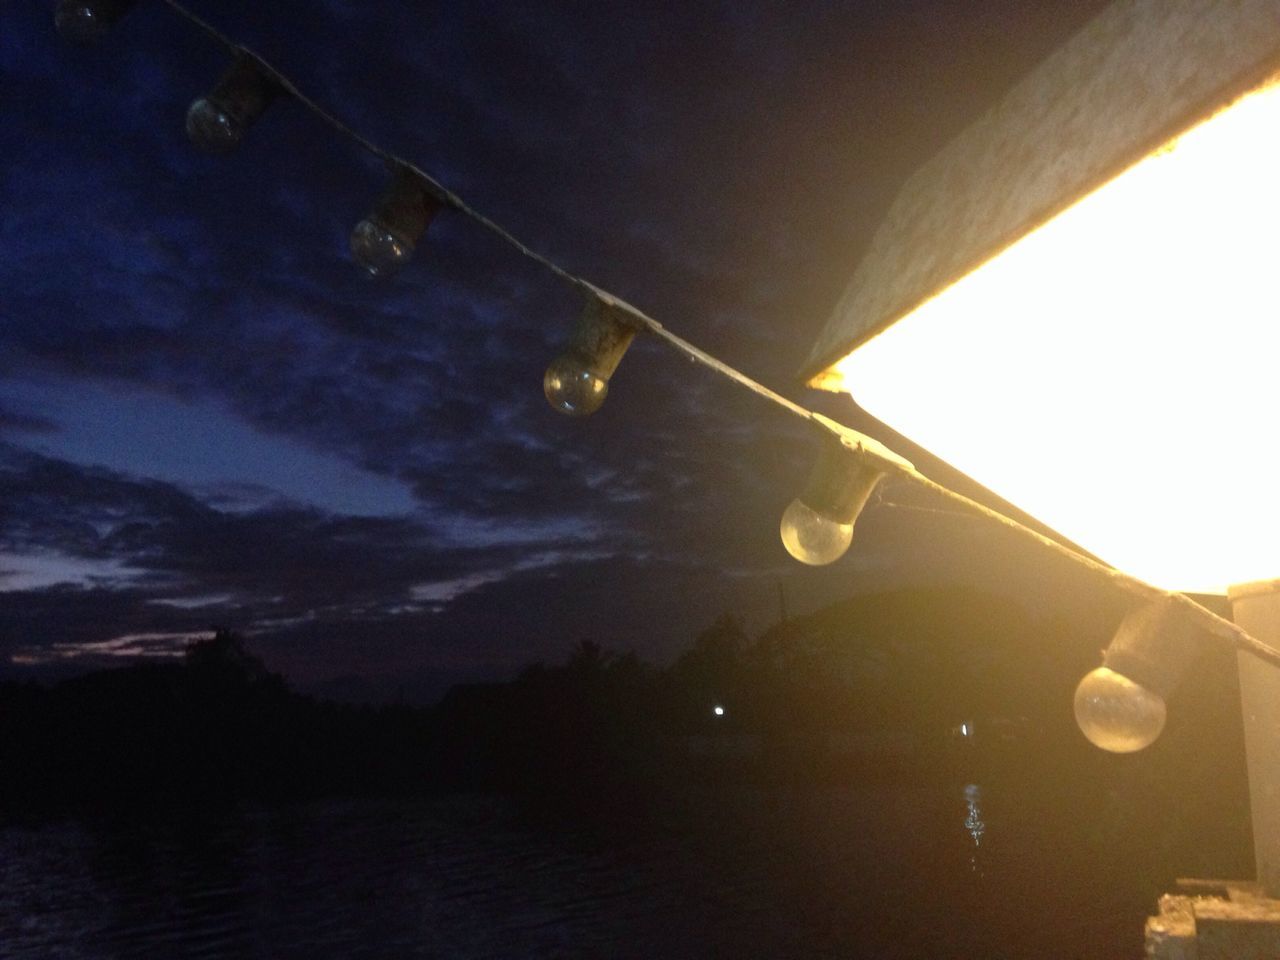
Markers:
208,416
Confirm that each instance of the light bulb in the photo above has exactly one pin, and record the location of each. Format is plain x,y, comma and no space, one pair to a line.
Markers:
813,538
384,241
218,122
81,22
213,128
577,381
573,388
817,527
1116,714
87,21
378,250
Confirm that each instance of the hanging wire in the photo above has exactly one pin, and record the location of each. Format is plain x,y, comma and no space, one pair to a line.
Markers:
1215,625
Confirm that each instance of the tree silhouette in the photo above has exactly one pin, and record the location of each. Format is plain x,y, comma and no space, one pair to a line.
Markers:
224,656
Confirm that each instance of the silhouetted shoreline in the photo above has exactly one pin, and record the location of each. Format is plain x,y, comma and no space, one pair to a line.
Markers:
921,686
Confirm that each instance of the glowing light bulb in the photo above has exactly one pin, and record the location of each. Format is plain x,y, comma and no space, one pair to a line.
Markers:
718,710
572,387
813,538
218,122
577,381
384,241
88,21
1116,714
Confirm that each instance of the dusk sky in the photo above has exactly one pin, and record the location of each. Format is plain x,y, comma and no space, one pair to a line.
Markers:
208,416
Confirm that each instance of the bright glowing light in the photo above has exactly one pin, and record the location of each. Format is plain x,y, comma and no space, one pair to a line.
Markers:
964,729
718,710
1113,373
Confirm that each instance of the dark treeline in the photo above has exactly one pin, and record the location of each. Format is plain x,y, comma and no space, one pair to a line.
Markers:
214,726
920,683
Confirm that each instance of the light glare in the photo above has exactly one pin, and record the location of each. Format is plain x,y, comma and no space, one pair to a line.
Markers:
1113,373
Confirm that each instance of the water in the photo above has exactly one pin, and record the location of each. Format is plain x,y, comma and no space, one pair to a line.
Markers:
886,871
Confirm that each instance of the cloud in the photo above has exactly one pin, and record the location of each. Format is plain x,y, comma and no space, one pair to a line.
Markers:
132,646
21,422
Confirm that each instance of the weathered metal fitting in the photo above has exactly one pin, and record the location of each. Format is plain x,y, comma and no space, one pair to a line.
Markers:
601,338
244,91
1154,645
841,482
408,205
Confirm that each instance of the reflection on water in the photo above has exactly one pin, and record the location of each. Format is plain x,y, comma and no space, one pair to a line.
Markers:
973,821
817,872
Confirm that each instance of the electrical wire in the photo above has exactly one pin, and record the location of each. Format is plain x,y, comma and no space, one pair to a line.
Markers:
1216,626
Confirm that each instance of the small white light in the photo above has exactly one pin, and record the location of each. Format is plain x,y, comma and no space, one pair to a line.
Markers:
718,710
964,729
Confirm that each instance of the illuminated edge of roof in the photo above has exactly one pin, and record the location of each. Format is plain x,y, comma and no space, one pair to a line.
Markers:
1134,77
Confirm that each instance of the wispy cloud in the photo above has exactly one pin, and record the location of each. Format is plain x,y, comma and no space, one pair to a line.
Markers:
163,646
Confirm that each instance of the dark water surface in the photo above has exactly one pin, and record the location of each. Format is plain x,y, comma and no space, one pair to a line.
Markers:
885,871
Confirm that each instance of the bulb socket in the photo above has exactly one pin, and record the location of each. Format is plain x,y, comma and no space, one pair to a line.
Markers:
244,91
600,340
1154,646
841,482
408,205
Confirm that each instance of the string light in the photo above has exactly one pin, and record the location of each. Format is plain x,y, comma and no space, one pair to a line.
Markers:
1120,706
577,381
817,527
218,122
88,21
384,241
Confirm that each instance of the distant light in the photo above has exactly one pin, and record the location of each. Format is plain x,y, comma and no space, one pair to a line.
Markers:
964,729
718,710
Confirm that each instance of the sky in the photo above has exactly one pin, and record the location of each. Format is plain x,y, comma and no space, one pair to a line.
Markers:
209,417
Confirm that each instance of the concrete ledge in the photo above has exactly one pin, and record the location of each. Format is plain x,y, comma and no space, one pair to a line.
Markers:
1215,920
1171,934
